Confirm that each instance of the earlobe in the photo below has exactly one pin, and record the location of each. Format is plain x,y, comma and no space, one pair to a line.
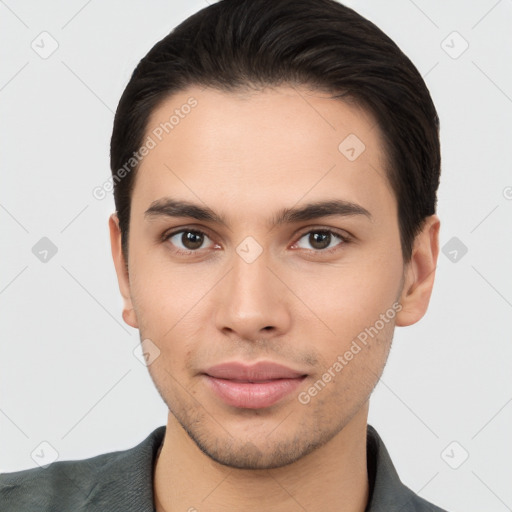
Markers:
420,273
122,271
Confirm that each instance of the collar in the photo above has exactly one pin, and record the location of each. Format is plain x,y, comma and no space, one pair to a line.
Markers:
123,481
387,492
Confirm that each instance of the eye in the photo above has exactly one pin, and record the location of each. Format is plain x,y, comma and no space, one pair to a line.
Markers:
320,240
187,240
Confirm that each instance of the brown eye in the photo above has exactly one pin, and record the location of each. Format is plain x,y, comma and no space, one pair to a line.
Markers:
192,240
320,240
187,240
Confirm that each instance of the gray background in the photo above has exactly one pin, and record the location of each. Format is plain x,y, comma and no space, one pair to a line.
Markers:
68,374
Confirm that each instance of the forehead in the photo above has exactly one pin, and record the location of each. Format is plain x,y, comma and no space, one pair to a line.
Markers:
258,147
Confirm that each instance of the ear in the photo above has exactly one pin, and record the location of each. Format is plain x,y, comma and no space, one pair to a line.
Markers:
122,271
420,273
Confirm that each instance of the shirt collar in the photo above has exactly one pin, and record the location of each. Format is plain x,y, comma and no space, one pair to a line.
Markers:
386,494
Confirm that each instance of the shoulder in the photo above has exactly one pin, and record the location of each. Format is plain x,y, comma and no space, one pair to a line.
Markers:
104,482
411,502
388,493
61,485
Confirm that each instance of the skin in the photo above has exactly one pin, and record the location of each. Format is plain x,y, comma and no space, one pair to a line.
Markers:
247,156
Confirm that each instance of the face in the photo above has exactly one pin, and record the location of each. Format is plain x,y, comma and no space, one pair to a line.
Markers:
263,230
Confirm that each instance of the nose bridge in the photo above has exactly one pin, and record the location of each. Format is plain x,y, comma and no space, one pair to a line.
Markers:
252,301
250,279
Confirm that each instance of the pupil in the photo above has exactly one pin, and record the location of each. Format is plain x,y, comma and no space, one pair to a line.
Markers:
192,240
320,240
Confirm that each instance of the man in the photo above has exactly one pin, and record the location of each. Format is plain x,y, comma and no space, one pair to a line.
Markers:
275,165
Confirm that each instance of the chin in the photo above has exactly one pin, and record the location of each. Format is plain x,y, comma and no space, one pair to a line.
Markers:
272,448
246,455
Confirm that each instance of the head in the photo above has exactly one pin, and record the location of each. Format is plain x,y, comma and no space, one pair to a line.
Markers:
275,167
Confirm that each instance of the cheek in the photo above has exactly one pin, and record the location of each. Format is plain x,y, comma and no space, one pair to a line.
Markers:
155,282
167,298
351,297
347,378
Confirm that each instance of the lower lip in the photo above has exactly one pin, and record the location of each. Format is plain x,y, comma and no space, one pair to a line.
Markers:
252,395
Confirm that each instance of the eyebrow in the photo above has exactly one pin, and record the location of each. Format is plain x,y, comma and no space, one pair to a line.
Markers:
169,207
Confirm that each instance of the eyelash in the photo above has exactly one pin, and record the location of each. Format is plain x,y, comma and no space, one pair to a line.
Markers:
344,239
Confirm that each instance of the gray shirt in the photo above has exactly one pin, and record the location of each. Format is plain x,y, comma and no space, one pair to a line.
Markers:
123,481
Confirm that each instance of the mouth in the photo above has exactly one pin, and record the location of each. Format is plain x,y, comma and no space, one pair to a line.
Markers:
255,386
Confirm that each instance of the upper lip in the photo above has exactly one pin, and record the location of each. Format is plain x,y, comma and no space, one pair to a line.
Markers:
263,370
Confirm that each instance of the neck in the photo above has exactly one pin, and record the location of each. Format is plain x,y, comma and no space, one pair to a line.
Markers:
333,477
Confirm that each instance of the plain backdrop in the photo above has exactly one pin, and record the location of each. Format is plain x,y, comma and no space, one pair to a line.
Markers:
69,376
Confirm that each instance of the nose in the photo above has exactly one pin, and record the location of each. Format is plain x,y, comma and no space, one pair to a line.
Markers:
252,301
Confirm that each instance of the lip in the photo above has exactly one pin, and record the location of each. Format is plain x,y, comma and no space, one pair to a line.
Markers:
253,386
